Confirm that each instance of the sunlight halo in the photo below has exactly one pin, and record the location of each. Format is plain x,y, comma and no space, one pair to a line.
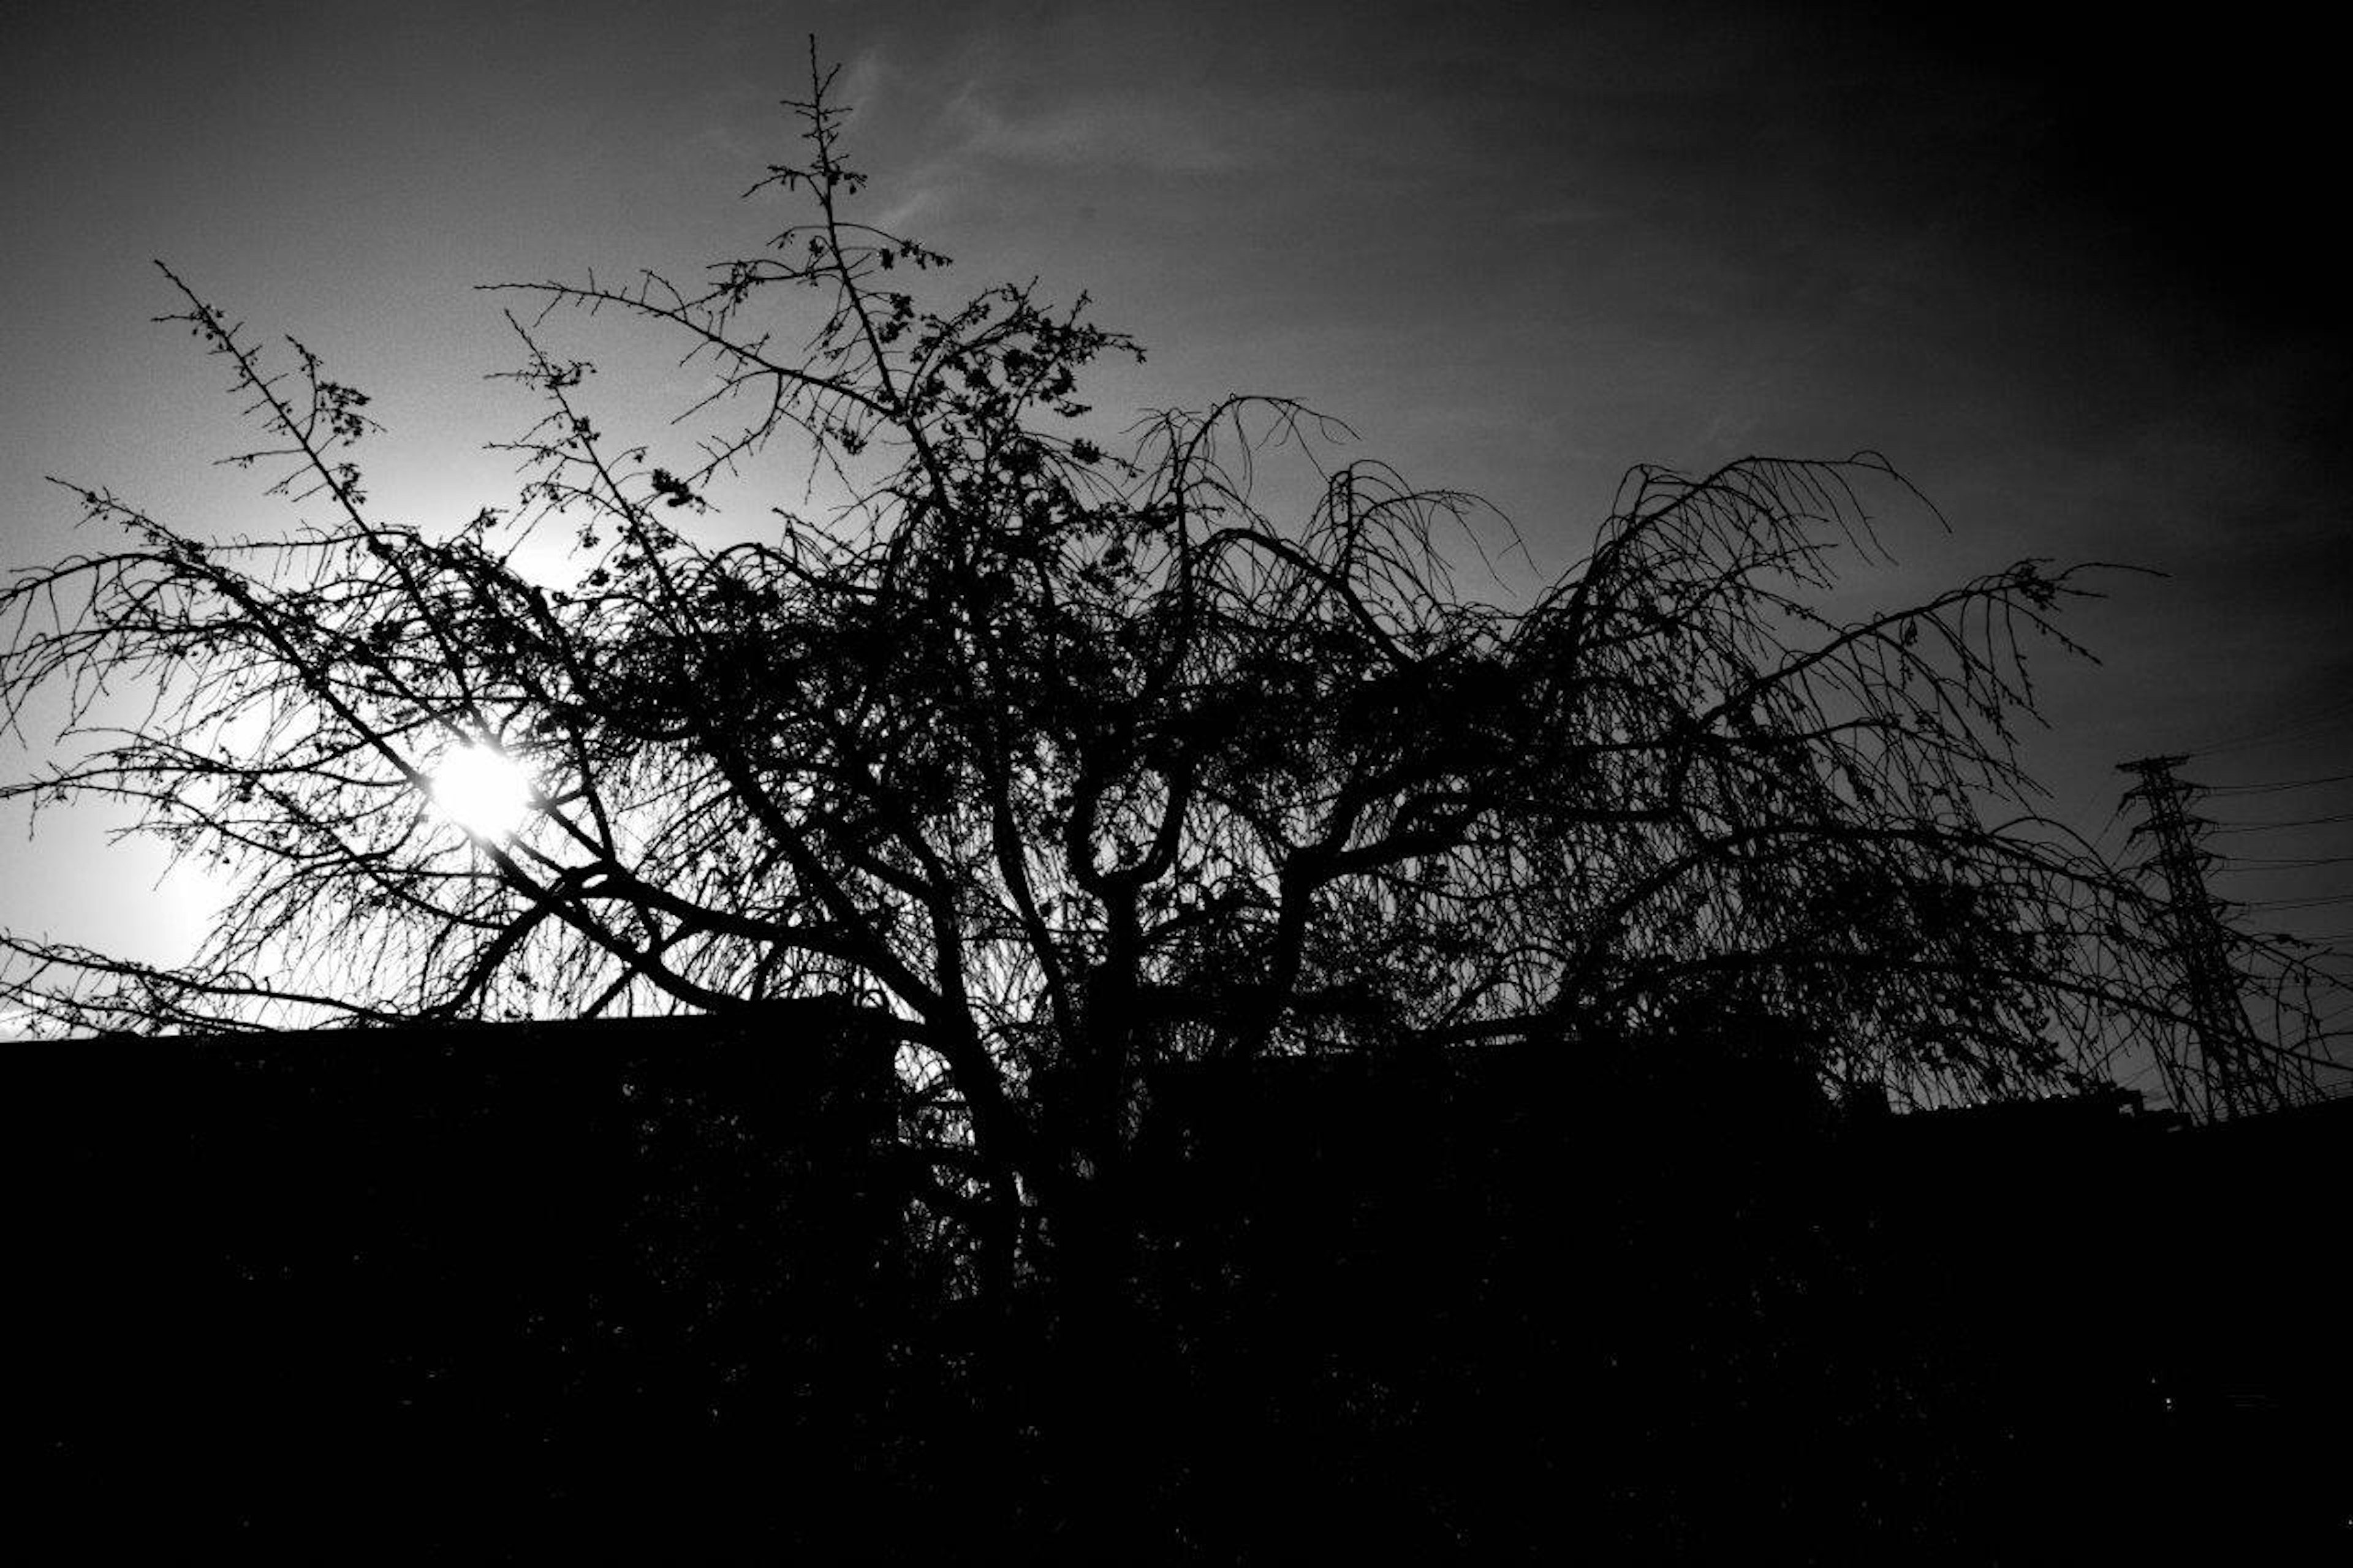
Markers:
483,789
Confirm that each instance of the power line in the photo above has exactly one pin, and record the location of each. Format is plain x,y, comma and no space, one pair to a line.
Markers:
2301,822
2274,788
2286,729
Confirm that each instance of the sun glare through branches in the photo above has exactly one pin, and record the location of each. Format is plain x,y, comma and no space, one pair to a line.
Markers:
483,791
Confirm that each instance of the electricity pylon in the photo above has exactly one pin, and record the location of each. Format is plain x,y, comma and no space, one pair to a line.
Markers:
2234,1075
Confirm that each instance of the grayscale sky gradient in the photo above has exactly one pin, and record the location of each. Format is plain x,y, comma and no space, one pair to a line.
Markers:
2074,285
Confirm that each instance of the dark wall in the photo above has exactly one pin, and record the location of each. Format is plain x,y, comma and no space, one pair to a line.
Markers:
1532,1304
459,1287
646,1287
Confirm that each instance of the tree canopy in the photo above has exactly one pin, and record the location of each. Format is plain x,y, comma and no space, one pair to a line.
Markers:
1065,764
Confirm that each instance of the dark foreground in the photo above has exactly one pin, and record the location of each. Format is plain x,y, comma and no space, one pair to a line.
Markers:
627,1289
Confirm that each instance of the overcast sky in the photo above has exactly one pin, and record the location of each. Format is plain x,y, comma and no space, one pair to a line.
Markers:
2074,286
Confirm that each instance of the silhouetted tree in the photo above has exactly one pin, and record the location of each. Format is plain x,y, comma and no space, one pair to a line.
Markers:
1065,764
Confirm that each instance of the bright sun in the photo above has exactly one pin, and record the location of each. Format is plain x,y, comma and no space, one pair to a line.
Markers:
482,791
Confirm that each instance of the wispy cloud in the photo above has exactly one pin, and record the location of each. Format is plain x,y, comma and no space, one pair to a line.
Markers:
1103,133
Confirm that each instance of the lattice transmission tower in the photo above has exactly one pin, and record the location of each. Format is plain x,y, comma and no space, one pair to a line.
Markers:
2234,1075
